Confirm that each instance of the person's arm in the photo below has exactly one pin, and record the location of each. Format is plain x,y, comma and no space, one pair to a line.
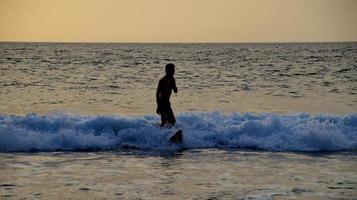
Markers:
174,88
158,96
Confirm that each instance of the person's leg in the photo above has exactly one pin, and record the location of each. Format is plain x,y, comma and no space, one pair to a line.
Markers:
171,117
163,119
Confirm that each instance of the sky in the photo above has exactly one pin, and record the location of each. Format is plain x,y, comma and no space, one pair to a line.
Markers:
178,20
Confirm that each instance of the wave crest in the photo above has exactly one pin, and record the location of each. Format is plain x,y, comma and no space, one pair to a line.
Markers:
271,132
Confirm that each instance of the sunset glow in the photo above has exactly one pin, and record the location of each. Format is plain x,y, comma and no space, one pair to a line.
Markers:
178,20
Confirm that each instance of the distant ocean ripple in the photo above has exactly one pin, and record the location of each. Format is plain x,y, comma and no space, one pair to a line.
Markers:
122,78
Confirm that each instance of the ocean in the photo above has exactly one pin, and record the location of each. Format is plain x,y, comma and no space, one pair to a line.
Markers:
260,121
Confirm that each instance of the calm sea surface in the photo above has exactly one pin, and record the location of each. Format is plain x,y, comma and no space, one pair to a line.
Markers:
121,79
260,121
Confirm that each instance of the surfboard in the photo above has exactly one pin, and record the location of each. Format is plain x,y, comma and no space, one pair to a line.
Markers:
176,137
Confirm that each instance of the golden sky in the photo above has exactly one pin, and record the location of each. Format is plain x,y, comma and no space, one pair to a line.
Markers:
178,20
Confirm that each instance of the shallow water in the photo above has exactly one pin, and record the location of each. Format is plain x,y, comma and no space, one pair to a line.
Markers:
193,174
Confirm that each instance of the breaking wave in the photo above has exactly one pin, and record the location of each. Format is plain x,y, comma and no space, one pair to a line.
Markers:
270,132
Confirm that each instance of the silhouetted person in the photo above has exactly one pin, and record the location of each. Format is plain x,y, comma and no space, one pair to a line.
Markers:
163,93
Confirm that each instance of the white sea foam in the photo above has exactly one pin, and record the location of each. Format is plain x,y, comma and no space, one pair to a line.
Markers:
271,132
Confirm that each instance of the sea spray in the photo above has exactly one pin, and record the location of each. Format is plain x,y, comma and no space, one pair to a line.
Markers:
267,131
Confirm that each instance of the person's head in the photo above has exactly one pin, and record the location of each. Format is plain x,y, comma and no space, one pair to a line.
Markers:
170,69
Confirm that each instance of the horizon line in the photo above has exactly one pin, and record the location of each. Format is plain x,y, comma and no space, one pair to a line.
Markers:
218,42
